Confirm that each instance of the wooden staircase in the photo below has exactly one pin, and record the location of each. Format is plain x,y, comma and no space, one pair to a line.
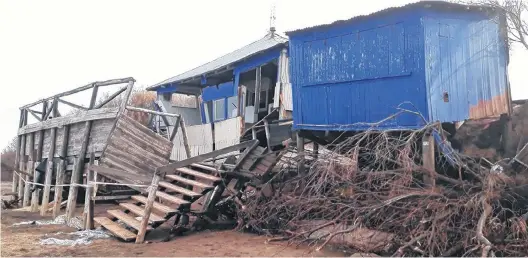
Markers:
175,194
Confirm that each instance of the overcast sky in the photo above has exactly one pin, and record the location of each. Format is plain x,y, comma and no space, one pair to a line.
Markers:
47,47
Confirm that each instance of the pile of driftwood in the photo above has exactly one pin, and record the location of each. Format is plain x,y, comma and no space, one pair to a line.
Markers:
372,193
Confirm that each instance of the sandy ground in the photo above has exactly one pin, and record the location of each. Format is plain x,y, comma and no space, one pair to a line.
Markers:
24,240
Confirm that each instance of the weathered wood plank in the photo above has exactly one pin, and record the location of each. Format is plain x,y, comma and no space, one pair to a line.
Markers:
131,108
82,88
29,166
22,167
72,104
110,98
49,173
115,228
148,209
96,114
171,168
184,136
112,172
88,202
61,170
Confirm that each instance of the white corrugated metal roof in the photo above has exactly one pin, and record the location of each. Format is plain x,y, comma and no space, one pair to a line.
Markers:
267,42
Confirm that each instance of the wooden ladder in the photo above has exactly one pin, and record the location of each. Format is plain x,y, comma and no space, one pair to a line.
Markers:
175,194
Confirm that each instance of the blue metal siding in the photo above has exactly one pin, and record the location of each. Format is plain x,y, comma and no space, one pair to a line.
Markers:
465,59
223,90
346,76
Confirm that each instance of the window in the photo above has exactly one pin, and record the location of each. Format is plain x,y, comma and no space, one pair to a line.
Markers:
219,109
206,106
232,106
182,100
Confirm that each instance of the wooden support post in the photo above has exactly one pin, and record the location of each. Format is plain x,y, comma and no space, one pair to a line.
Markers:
79,166
17,158
29,166
88,202
428,156
315,149
50,165
258,83
268,135
36,193
185,139
61,170
148,209
175,129
300,153
22,167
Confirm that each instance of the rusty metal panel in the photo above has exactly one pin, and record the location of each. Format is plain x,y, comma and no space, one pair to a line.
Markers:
200,141
136,150
466,62
227,132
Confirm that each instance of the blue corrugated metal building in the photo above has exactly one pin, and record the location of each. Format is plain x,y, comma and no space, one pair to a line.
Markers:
447,62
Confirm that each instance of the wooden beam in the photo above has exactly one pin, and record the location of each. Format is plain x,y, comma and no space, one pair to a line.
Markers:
148,209
243,156
49,172
175,129
82,88
268,134
27,187
110,98
112,172
110,197
88,202
185,139
96,114
151,111
77,170
72,104
428,157
300,153
171,168
50,108
34,114
22,167
61,170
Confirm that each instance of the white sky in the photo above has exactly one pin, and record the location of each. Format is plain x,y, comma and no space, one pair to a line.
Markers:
47,47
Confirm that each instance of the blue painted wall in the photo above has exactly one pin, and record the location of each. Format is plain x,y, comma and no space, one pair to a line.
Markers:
466,58
349,75
359,73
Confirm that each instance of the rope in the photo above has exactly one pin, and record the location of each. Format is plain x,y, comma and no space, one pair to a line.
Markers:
90,183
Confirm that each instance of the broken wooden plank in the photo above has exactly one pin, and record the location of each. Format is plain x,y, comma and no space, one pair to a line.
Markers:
140,211
171,168
149,204
115,228
96,114
79,89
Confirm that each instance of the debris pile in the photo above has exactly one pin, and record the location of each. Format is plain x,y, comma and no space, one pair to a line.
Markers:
373,194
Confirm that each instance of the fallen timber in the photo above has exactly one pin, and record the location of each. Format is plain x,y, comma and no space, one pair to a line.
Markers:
189,188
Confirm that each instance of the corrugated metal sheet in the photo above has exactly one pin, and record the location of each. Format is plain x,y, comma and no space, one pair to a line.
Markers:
346,77
200,141
352,75
436,5
466,68
227,132
267,42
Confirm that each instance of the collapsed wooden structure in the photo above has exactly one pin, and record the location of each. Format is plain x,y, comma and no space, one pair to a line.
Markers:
107,155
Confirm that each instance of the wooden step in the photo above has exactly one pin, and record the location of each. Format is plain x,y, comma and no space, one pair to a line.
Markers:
205,167
158,206
179,189
171,198
115,228
195,173
127,219
140,211
189,181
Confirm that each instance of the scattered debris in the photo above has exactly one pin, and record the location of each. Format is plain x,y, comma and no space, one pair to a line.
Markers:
84,237
75,222
386,193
